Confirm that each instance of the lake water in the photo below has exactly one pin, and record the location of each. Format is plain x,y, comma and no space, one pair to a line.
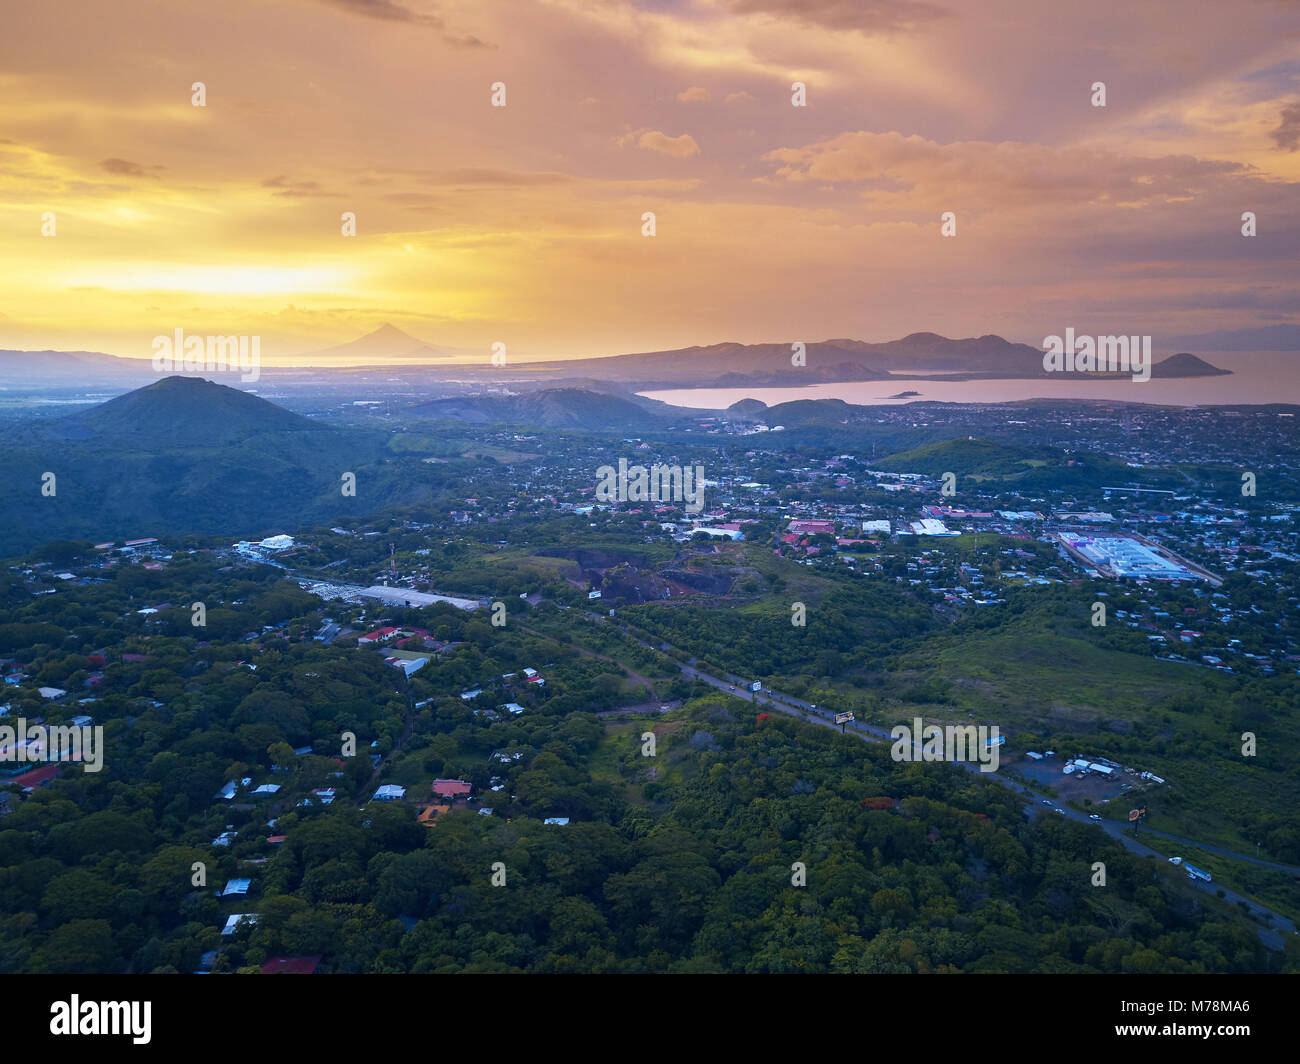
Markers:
1257,377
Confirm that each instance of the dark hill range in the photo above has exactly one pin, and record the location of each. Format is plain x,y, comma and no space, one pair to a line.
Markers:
31,370
727,364
916,355
549,408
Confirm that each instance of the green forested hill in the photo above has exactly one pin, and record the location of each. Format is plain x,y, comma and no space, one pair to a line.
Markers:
187,456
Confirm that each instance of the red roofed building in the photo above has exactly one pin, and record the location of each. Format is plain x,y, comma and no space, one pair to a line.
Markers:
813,528
37,777
417,636
452,788
292,965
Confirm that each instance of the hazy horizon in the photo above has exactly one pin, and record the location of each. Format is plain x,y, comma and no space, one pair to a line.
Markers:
466,357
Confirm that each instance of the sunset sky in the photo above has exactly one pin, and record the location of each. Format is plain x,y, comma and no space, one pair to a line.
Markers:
522,224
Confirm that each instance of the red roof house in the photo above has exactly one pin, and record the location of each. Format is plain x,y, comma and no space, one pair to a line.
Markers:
37,777
292,965
813,527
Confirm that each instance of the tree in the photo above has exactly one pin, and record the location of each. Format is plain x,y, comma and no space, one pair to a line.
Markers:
76,947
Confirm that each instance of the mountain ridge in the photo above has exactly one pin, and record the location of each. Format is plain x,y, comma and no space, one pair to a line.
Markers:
723,364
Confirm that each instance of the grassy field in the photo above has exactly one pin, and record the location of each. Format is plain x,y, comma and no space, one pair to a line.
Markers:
1050,686
618,761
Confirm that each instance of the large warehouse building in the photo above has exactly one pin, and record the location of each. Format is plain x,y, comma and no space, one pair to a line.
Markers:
1123,556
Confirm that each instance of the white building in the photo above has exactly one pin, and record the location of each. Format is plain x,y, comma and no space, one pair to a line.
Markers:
930,526
403,596
235,919
407,665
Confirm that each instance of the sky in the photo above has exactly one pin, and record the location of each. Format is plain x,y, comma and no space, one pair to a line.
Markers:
523,225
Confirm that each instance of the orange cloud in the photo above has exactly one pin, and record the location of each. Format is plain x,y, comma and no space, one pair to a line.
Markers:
680,147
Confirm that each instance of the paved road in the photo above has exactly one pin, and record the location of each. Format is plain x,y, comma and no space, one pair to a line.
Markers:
1270,935
1232,855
